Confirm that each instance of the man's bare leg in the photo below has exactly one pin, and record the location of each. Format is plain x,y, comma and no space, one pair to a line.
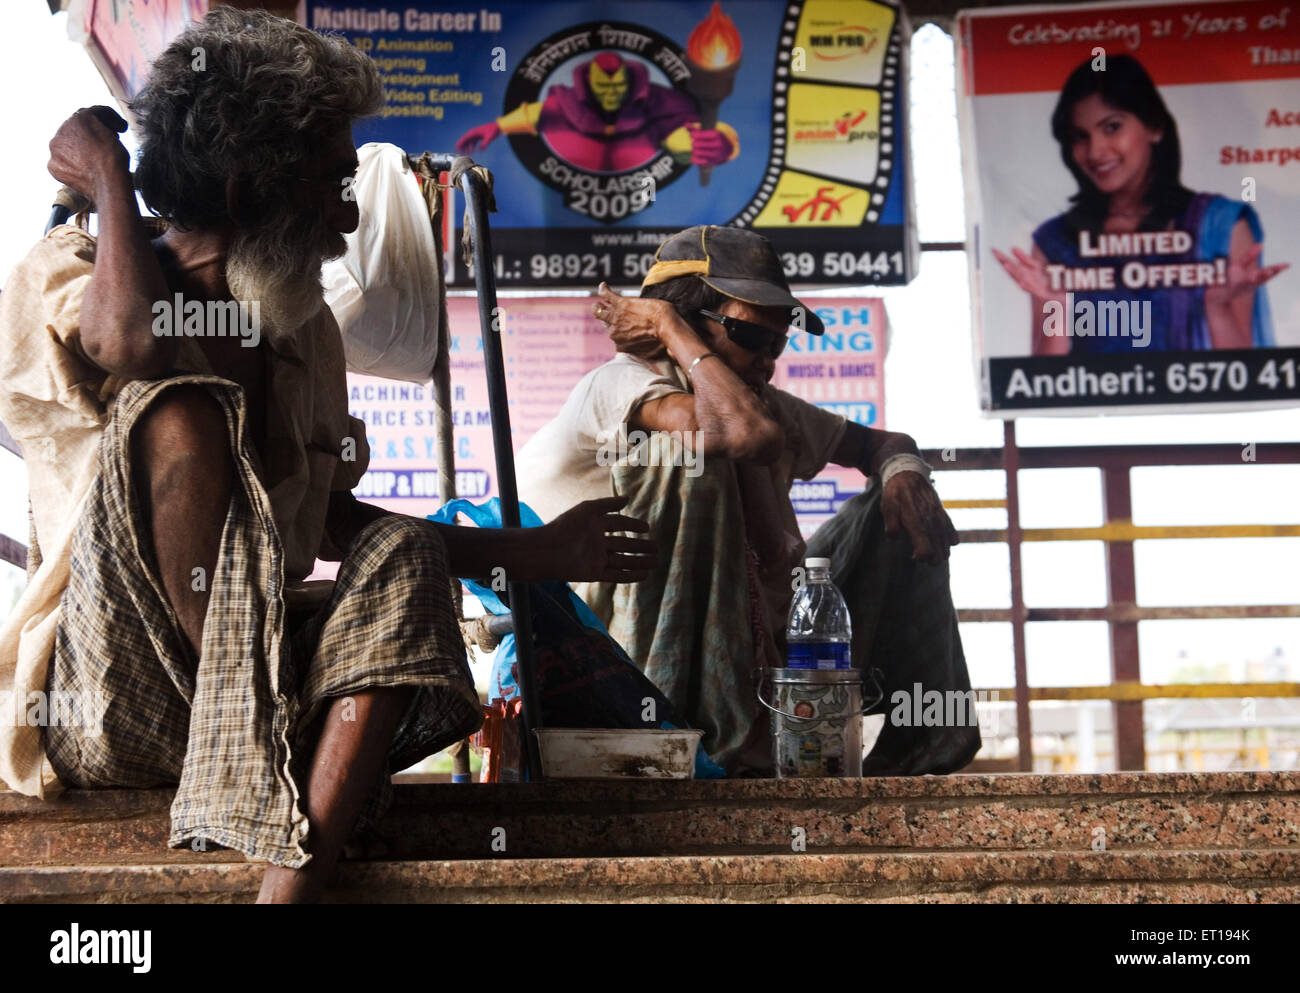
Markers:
183,473
349,759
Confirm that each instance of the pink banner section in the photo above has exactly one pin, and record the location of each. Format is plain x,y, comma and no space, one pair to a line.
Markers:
550,343
124,36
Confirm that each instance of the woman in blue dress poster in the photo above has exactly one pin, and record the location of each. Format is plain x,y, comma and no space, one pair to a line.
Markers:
1120,143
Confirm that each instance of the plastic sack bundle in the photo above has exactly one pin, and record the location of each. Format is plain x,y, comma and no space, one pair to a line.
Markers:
384,292
584,679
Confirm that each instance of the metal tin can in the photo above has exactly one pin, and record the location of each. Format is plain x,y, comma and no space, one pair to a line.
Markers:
816,721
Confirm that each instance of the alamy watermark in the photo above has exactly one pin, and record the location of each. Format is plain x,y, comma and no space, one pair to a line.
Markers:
93,946
1073,318
651,449
919,707
181,318
63,708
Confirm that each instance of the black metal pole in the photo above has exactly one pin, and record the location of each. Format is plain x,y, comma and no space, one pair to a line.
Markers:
498,405
58,215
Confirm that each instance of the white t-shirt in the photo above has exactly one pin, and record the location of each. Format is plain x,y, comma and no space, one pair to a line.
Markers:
559,468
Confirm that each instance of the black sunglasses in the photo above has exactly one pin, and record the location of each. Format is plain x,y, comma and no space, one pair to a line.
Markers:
748,335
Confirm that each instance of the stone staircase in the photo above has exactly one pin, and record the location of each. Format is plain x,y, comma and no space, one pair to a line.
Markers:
1125,837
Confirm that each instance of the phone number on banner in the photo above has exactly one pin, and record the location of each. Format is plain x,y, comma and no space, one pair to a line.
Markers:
549,267
834,265
1176,378
802,266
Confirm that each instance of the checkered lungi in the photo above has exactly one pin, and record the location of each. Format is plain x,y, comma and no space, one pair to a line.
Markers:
231,729
688,626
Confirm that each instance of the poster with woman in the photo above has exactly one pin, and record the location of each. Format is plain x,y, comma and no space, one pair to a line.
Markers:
1133,177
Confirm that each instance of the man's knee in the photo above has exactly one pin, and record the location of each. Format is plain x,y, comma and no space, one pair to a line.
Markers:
183,421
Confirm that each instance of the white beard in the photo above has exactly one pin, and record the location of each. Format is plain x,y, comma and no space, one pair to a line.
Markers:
284,304
287,297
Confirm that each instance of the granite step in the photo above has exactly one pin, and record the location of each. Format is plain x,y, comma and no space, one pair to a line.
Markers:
1120,812
1182,876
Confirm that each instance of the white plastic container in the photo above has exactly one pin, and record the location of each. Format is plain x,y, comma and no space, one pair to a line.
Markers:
605,753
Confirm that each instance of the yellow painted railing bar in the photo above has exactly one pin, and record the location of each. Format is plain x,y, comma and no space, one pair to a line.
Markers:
1131,532
1121,531
1128,612
999,502
1140,691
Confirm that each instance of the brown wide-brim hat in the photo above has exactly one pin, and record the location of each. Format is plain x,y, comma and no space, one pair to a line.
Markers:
737,262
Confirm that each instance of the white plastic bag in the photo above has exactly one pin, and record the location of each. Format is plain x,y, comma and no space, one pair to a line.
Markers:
384,291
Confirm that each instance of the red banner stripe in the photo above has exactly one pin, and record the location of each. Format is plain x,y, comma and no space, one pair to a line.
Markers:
1036,48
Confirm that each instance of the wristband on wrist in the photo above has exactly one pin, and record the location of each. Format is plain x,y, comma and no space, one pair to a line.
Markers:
903,462
691,368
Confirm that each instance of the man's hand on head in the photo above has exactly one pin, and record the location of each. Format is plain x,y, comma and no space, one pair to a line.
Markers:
86,154
635,324
117,312
911,504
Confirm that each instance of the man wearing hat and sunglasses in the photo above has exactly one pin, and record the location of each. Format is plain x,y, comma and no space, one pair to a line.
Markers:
684,422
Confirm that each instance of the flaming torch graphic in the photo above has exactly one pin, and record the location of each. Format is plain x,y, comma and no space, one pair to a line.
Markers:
713,55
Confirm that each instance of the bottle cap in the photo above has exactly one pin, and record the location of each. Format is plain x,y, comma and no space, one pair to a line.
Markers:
817,563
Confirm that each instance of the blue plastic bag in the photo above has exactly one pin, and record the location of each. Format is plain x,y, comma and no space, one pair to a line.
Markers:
502,682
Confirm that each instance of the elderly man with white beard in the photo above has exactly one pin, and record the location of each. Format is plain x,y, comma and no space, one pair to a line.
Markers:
182,486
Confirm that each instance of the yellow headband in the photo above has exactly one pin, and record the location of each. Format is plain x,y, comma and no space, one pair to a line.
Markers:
661,271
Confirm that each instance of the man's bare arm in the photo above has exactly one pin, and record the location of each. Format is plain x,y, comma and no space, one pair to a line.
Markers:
117,313
582,544
733,422
909,503
866,449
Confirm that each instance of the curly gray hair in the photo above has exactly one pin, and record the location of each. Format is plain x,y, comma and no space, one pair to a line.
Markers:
269,93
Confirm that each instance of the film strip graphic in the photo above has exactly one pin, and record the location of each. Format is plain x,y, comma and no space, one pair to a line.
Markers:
834,145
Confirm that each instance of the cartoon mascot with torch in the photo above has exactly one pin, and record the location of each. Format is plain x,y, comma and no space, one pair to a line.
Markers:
613,118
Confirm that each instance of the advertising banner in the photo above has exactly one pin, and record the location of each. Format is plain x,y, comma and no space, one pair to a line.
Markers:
608,129
550,343
1134,185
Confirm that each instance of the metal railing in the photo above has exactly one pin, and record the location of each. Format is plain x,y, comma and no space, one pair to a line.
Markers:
1122,612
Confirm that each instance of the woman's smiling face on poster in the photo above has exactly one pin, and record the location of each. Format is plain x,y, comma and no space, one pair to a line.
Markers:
1112,146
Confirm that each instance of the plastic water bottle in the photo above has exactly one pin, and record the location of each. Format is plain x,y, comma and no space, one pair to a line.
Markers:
819,632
